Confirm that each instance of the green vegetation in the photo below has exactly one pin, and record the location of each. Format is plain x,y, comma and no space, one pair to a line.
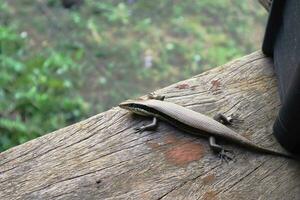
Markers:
36,93
59,65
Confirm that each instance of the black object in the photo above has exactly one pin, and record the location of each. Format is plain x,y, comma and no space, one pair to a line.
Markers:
71,3
282,42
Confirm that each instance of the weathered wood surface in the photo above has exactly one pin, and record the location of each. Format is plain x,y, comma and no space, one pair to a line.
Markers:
102,157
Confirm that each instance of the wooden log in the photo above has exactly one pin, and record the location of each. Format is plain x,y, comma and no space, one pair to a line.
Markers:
102,157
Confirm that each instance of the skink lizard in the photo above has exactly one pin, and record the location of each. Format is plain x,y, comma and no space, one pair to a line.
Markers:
194,123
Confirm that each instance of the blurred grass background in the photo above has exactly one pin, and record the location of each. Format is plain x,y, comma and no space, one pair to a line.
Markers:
60,64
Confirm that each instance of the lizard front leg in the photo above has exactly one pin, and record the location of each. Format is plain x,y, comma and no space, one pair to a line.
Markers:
148,127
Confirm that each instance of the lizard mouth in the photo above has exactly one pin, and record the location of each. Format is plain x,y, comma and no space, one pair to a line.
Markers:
135,108
127,104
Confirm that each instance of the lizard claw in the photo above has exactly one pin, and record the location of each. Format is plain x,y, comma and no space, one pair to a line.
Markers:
139,129
232,120
226,155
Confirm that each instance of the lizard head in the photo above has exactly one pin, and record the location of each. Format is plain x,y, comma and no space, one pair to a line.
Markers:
136,106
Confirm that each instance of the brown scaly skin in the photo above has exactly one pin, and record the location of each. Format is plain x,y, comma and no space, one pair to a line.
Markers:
192,122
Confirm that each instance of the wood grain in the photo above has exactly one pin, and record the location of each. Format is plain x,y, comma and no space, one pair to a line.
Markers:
102,157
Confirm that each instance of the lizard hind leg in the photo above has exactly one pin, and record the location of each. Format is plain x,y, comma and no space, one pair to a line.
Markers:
224,119
224,154
231,120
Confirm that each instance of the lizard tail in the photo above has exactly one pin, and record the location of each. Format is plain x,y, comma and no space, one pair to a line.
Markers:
271,152
277,153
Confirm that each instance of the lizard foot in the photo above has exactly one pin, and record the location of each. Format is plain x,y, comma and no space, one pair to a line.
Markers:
148,127
226,155
152,95
139,129
232,120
